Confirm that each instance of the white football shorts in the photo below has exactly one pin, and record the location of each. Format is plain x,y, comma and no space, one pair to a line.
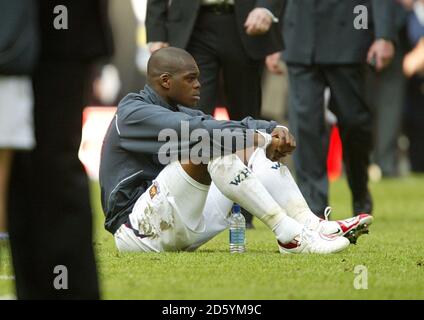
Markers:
176,213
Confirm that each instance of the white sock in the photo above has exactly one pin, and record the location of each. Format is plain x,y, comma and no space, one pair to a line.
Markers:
241,185
280,184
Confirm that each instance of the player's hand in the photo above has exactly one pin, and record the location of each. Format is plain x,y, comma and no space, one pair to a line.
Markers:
273,63
258,22
154,46
383,52
283,144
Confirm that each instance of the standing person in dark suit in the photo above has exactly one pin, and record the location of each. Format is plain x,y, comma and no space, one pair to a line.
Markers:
324,49
229,39
386,95
232,36
50,212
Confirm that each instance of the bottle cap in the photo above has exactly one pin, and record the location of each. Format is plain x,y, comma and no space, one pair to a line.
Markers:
236,208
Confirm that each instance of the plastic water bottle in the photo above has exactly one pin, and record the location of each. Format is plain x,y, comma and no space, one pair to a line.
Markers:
237,230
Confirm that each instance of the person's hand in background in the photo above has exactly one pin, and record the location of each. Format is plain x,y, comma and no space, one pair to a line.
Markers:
414,60
258,22
407,4
383,52
154,46
273,63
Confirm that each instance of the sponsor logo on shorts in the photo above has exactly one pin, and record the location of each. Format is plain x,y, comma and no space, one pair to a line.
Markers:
153,191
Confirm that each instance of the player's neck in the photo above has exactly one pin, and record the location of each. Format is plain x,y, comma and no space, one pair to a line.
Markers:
163,95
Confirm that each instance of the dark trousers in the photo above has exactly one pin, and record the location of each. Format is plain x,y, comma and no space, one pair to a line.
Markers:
49,207
386,94
414,120
223,62
306,107
218,50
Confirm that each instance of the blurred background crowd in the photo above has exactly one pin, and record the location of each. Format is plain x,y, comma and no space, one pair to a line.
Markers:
346,93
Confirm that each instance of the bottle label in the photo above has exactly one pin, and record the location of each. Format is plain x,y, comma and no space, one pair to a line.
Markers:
237,237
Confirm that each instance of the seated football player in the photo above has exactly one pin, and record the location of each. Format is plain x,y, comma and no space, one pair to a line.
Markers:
170,174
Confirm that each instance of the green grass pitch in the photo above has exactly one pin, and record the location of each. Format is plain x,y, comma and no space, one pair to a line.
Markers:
393,255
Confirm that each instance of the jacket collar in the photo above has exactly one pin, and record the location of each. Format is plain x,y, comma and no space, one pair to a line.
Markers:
151,96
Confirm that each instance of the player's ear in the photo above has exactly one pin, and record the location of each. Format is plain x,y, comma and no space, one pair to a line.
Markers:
165,79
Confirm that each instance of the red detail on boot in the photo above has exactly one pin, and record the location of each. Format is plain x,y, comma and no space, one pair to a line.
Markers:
291,245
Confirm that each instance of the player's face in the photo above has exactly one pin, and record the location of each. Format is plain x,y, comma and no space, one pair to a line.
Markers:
185,89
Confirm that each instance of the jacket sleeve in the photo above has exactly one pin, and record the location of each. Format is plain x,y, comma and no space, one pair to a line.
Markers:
156,16
275,6
151,129
248,122
384,19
